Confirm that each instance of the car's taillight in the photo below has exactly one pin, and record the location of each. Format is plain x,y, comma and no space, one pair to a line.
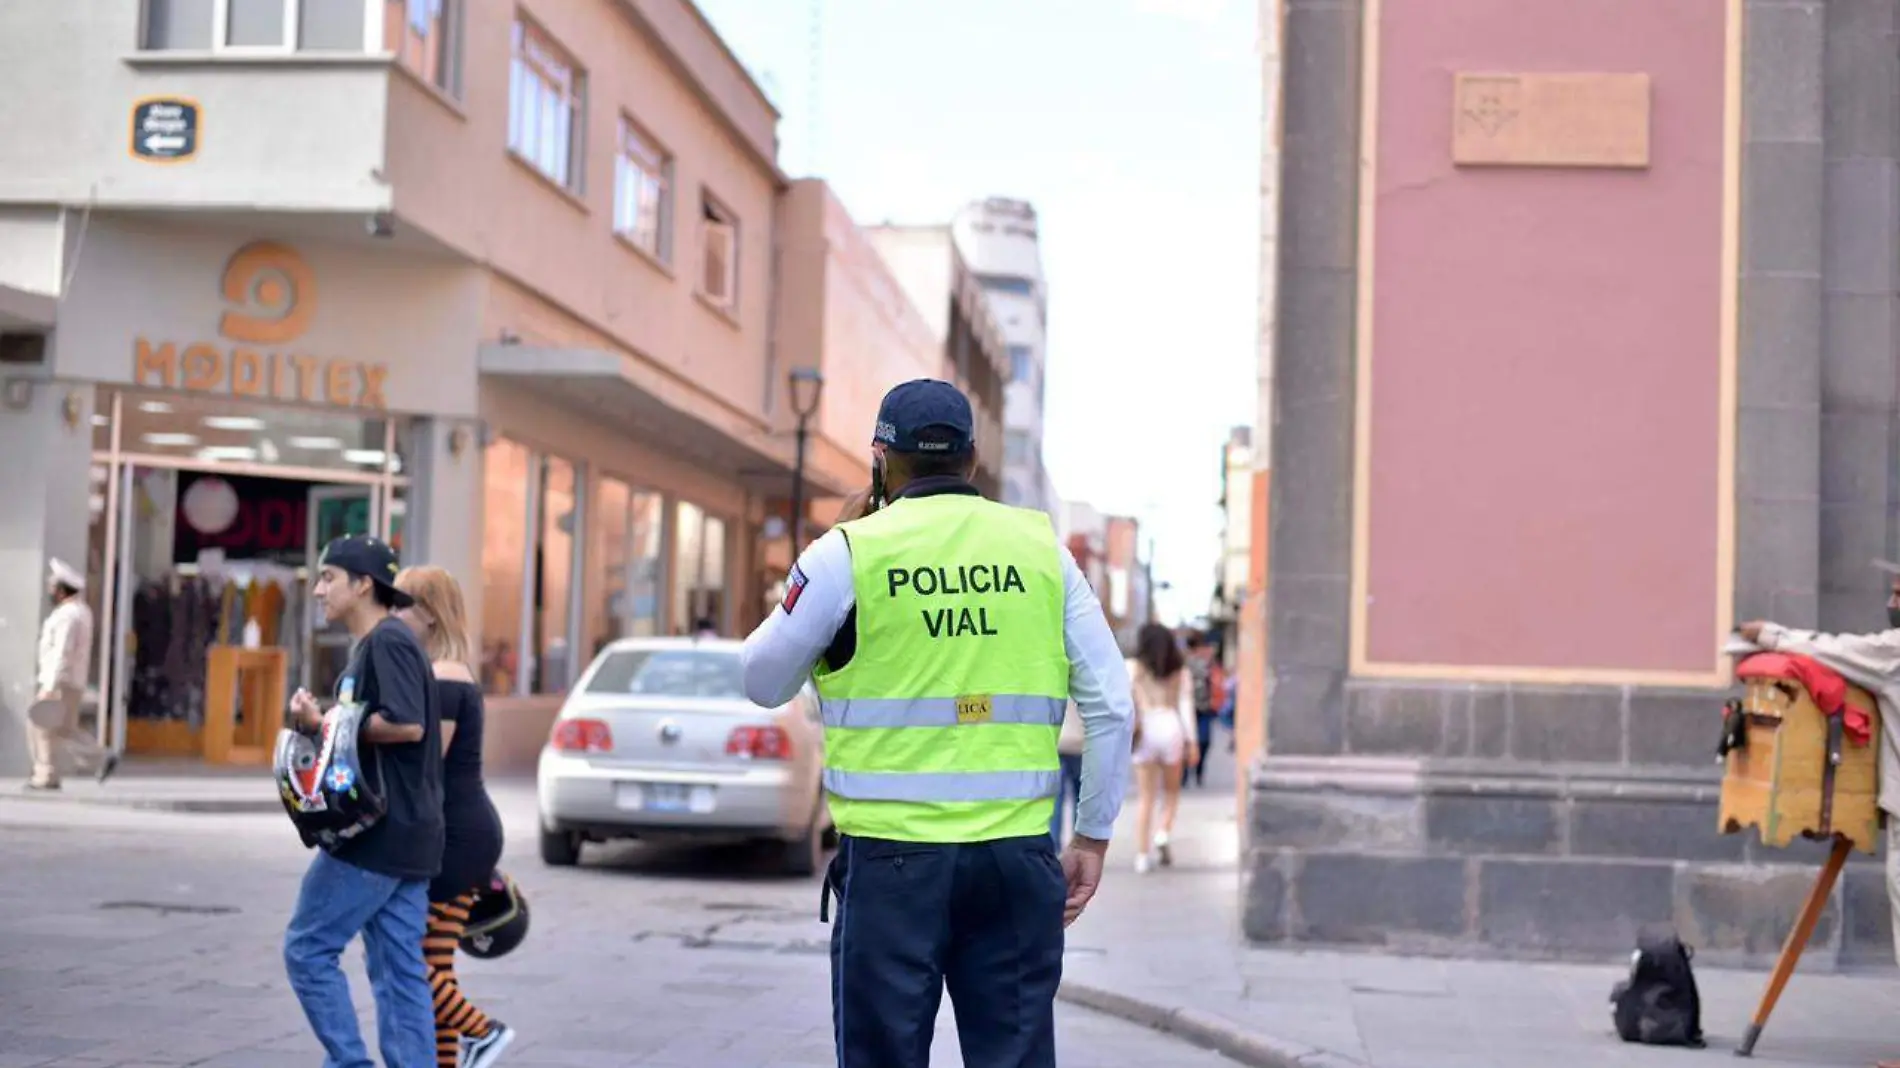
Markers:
759,743
582,736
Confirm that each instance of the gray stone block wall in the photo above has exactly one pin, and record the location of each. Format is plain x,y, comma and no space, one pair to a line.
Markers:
1860,297
1533,860
1623,725
1778,423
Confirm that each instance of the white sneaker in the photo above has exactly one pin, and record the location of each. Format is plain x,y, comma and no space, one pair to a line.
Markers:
1161,849
484,1051
1144,863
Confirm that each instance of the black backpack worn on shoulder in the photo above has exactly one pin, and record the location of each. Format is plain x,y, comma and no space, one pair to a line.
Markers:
1658,1004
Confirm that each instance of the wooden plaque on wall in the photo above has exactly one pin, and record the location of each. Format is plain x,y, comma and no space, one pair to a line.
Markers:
1550,120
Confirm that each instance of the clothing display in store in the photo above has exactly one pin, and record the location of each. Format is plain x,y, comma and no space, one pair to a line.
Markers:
177,619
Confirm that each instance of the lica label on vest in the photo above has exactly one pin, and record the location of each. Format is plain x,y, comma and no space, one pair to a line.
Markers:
974,710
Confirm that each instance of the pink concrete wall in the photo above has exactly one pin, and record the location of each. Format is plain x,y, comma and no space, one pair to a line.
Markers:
1546,354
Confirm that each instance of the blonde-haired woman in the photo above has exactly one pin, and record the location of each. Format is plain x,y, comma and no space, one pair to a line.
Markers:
465,1037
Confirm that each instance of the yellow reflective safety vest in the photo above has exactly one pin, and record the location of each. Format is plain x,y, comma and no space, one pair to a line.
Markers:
942,727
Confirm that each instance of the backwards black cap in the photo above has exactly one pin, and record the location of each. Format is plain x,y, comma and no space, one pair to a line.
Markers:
371,558
926,416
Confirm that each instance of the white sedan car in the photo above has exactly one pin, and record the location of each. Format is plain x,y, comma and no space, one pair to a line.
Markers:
658,741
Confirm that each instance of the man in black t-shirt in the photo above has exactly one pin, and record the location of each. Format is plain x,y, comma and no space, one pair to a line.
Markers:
377,883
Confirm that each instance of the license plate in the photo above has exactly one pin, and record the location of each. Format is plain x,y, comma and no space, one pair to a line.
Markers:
664,797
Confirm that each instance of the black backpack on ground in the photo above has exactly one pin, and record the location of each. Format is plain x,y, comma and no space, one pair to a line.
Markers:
1658,1004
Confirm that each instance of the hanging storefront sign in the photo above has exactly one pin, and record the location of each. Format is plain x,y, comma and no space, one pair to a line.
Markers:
271,297
248,517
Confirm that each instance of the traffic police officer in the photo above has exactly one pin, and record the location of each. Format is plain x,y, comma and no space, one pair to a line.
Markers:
946,635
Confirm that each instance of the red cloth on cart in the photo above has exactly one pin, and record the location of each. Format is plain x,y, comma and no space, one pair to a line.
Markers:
1823,683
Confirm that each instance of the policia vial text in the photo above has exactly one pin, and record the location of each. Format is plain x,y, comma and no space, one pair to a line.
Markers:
944,581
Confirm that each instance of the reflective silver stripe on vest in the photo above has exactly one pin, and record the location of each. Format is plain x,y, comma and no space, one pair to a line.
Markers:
856,712
943,785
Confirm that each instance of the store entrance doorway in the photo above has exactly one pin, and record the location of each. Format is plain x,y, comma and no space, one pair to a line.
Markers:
214,625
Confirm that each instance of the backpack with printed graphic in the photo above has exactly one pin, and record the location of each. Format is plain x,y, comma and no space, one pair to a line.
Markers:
1201,675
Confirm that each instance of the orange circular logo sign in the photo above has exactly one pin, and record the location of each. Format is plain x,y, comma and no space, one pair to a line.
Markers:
273,293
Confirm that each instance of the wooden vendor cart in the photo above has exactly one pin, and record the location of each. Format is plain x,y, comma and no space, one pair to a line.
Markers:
1793,771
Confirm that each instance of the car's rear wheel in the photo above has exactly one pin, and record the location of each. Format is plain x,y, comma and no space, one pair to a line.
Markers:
560,849
806,854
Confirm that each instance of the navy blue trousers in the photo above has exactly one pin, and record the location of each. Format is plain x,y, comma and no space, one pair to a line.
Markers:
983,919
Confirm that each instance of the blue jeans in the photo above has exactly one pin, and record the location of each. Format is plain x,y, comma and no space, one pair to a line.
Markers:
337,902
1071,790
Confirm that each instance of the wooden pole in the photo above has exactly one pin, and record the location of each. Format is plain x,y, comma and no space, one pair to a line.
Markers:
1797,941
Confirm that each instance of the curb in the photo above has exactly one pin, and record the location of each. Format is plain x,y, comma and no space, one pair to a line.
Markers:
1203,1029
189,805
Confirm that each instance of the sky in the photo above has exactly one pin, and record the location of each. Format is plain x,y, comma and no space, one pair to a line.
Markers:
1133,126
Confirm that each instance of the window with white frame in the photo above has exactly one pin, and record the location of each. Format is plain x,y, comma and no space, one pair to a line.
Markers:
719,254
545,97
420,33
643,191
699,570
532,570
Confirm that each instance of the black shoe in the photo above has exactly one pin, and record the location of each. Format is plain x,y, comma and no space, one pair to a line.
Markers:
41,787
483,1052
106,769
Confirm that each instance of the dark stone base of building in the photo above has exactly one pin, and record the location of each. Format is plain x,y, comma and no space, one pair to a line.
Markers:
1451,827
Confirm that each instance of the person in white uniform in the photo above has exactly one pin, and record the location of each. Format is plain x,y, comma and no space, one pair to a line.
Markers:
65,659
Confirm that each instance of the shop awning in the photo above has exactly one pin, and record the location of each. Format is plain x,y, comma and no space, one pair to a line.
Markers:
660,411
22,310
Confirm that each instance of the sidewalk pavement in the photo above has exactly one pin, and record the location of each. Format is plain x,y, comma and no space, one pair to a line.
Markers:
162,786
1165,950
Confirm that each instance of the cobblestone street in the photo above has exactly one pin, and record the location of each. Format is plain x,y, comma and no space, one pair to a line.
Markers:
150,940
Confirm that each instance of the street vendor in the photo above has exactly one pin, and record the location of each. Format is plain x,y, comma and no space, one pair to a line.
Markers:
1872,662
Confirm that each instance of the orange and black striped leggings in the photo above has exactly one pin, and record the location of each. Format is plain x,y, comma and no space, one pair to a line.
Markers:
455,1016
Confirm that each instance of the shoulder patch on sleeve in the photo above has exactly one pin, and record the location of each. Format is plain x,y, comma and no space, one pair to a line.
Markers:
794,587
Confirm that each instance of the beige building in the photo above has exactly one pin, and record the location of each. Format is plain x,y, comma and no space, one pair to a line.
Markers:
837,298
927,264
493,280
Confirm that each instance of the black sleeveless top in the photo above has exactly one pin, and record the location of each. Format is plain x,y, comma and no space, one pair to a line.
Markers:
473,839
462,764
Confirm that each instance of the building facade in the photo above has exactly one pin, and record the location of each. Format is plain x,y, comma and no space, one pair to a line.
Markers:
1232,566
1108,550
840,302
1584,351
932,272
1000,240
492,281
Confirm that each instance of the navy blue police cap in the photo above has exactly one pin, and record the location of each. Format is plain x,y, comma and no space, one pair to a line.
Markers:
926,415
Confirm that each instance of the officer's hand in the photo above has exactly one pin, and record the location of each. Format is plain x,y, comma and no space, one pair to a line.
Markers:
1082,869
856,506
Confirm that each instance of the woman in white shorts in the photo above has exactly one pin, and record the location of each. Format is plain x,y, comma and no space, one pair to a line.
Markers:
1164,738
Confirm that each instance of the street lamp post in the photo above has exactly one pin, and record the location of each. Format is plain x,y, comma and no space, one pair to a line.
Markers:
807,385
